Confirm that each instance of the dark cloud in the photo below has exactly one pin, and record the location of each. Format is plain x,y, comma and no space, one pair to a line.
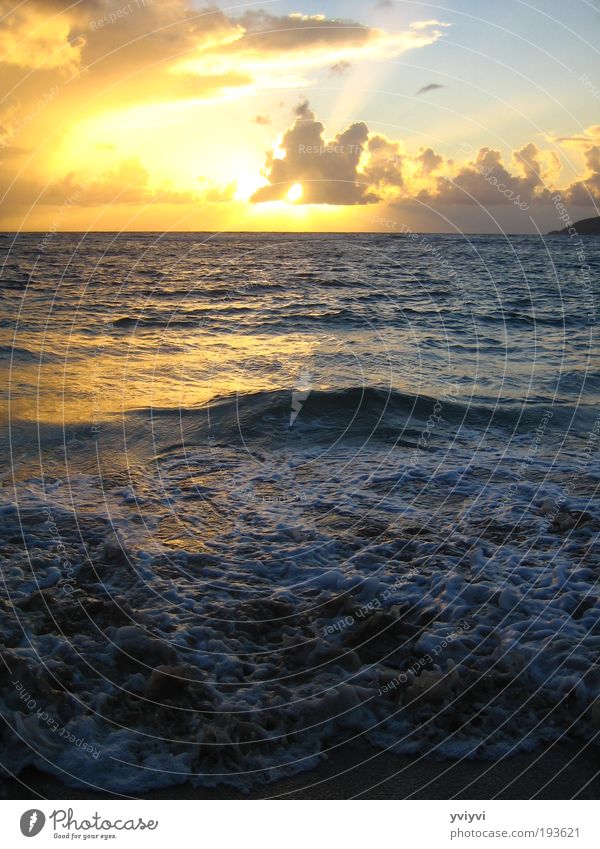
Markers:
528,158
578,139
298,35
429,87
384,164
586,192
151,33
473,182
327,169
340,68
263,120
303,110
265,33
357,167
486,180
429,160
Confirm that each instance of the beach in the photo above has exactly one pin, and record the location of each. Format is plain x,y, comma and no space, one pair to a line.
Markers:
357,772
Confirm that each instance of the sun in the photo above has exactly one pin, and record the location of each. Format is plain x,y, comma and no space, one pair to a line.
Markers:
295,193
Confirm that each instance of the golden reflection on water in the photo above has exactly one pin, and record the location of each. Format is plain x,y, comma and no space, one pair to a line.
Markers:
89,381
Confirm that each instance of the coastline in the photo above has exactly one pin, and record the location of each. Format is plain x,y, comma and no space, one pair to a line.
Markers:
559,771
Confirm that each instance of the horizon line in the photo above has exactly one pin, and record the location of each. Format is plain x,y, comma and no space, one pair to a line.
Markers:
279,232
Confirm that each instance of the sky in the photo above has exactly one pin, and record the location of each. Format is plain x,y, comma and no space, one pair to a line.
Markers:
329,116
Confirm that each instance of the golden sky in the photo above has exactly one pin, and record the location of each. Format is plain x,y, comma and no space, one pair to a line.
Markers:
151,115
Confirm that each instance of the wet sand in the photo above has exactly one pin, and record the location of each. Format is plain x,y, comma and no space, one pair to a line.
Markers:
560,771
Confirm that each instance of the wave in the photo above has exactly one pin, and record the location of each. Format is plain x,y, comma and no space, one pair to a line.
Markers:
13,352
227,291
371,411
240,638
362,313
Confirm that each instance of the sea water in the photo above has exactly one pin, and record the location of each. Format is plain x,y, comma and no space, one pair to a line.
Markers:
267,493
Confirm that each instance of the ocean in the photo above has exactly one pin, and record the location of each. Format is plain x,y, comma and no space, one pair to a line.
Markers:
266,494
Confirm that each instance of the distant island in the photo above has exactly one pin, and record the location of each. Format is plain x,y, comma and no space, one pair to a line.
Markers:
585,227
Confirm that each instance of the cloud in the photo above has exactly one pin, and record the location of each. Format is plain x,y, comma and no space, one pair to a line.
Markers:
57,34
128,183
159,51
104,58
487,181
287,44
539,168
108,50
359,167
267,33
383,168
172,41
35,34
154,32
181,51
327,169
430,87
303,110
120,52
576,141
340,67
583,140
429,160
586,192
432,22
